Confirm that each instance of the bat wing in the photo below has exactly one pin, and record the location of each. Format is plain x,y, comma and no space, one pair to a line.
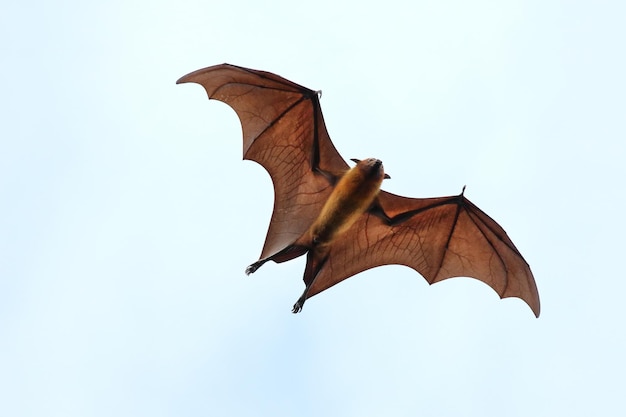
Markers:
284,131
438,237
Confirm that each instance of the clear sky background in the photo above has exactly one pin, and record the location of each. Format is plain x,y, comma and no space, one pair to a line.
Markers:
127,217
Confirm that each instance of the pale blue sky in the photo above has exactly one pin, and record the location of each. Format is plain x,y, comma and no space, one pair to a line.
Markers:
128,218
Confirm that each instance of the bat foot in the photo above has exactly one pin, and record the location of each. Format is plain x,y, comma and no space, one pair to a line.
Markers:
297,307
251,269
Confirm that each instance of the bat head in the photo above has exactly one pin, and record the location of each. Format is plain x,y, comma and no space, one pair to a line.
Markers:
372,166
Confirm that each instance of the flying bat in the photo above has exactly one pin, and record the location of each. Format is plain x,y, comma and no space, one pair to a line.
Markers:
338,216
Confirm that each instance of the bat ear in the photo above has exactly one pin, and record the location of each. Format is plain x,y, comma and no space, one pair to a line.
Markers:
387,177
356,161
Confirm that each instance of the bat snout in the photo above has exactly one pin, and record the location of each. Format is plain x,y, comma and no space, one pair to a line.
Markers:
374,166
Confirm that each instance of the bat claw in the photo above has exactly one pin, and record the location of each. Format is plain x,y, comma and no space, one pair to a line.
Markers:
297,307
251,269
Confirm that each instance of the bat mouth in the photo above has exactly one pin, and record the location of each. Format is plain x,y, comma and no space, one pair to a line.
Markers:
375,166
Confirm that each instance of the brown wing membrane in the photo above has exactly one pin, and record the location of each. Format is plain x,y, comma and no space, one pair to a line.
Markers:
284,131
438,237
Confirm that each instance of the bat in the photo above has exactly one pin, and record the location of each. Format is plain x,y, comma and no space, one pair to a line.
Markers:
339,216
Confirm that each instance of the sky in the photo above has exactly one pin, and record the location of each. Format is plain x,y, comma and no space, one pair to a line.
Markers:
127,216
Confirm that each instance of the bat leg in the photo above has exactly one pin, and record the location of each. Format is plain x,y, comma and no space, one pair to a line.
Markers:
314,263
287,254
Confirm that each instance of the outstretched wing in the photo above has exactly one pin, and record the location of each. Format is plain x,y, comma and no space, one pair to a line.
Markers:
284,131
438,237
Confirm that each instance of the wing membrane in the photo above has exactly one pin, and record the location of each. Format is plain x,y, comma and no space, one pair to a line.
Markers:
438,237
284,131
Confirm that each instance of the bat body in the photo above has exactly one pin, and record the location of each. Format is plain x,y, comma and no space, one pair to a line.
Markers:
352,196
339,217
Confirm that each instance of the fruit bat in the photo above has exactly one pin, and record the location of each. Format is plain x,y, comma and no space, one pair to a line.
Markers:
338,216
